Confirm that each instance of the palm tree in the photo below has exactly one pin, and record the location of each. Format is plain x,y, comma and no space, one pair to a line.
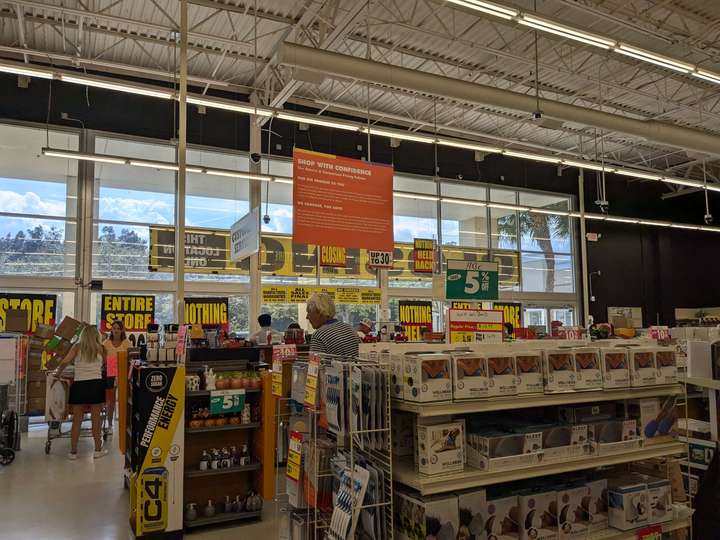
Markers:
538,228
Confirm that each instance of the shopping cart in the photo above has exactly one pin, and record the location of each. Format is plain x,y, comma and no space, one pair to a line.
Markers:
57,414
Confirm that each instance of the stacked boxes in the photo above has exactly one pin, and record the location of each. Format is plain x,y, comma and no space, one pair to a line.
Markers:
427,377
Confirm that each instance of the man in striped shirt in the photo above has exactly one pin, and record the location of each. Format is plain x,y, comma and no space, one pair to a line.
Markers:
331,336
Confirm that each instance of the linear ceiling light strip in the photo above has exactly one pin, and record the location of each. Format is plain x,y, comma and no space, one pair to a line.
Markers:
164,165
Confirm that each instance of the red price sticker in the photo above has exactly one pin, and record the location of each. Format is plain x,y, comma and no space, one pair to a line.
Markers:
653,532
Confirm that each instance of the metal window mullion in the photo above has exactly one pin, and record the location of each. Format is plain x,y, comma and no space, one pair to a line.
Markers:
85,229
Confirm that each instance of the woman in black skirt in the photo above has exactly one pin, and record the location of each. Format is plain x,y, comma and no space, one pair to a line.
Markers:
88,387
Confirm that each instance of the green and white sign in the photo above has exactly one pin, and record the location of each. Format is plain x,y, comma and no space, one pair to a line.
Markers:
227,401
471,280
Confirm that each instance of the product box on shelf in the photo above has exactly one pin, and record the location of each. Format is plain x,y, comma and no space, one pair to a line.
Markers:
656,417
470,375
660,500
502,372
397,381
667,365
610,437
471,507
427,377
582,414
595,504
499,451
587,368
571,518
441,447
501,521
530,372
564,441
615,368
559,368
643,367
537,519
627,504
426,518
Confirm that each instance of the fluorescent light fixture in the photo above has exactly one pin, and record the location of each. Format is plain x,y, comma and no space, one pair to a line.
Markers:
403,135
689,227
587,165
566,32
118,86
154,165
487,7
575,214
710,229
682,181
534,157
656,223
548,212
707,75
51,152
508,207
638,174
317,121
227,105
621,219
470,146
238,174
713,188
462,201
408,195
661,61
597,217
283,181
24,69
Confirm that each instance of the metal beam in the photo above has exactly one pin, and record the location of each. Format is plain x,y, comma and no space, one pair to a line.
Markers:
245,10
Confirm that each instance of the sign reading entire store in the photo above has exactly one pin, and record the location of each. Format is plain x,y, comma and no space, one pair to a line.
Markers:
134,312
279,256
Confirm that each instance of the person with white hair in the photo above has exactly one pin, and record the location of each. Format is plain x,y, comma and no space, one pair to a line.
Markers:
331,336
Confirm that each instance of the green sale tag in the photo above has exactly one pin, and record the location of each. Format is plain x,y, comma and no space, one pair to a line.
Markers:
470,280
227,401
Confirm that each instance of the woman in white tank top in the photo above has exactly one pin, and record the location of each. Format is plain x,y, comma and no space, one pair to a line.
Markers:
88,387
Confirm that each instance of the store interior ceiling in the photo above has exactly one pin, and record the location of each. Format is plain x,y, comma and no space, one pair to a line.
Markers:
236,47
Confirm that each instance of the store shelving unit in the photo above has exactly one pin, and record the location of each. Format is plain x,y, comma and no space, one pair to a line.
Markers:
231,427
222,518
613,534
712,384
193,473
534,400
404,472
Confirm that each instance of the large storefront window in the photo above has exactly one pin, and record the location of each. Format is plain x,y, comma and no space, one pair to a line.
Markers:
38,203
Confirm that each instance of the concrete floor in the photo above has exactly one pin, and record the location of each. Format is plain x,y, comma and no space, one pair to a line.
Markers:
49,497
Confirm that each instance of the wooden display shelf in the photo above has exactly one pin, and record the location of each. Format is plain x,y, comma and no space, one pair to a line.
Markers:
231,427
405,473
221,518
193,473
534,400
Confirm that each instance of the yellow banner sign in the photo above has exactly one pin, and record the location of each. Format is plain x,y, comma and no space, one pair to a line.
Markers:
333,256
292,294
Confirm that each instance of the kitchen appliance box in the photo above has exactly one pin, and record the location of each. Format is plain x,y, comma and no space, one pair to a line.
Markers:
537,517
500,451
502,374
530,372
426,518
501,522
667,365
627,504
595,504
441,448
587,367
469,375
565,441
572,519
559,367
472,509
427,377
615,368
643,366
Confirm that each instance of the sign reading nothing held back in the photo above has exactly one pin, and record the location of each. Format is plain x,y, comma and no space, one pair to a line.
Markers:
212,311
342,202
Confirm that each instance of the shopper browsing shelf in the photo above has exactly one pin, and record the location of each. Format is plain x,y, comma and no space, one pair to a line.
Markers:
331,336
88,387
117,342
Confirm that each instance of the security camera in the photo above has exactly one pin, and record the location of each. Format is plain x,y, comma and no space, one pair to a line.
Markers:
255,158
536,116
708,219
266,219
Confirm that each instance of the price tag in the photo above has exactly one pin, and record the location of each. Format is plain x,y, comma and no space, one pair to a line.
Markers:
227,401
661,333
570,332
380,259
653,532
281,354
311,381
294,459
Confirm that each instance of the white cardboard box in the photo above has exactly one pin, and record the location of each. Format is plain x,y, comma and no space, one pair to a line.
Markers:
427,377
397,376
660,500
643,367
572,522
628,506
501,522
667,365
502,372
587,368
427,518
537,517
615,368
471,507
441,448
564,442
560,373
595,504
470,375
699,359
530,372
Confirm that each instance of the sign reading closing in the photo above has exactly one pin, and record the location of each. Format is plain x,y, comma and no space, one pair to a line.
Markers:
333,256
40,308
134,312
212,311
414,315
